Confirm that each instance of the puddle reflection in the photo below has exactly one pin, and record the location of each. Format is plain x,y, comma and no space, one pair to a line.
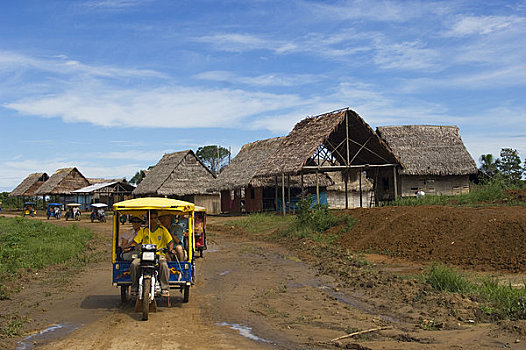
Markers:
244,331
52,332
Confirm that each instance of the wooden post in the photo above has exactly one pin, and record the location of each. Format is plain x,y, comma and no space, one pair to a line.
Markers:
317,189
395,183
346,178
276,195
283,193
288,194
361,192
302,187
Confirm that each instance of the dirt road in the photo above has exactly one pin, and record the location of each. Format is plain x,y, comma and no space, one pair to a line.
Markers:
253,294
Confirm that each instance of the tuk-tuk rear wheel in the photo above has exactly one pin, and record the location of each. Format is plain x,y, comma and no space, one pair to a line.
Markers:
124,294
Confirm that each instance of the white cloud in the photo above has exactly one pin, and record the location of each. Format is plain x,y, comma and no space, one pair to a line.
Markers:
271,79
115,4
60,64
407,56
381,11
172,107
482,25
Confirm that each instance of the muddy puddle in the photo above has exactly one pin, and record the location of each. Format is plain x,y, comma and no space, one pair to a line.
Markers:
44,336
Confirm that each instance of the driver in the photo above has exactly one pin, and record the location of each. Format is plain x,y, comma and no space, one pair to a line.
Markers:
158,235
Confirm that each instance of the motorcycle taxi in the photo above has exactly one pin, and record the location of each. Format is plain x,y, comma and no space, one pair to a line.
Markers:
73,211
54,210
181,273
97,212
29,209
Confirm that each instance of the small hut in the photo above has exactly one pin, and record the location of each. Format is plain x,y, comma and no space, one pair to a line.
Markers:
242,192
336,141
61,183
181,175
434,157
30,185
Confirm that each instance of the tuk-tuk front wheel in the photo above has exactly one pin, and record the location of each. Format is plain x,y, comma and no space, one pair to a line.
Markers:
146,286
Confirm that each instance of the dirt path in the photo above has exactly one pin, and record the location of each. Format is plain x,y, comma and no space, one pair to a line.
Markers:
249,295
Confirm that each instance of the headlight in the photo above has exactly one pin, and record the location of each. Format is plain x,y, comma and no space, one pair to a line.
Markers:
149,256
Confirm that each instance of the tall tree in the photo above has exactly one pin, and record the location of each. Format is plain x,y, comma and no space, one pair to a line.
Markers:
509,165
488,167
139,176
213,156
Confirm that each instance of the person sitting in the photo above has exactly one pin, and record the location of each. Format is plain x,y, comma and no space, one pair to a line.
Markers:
177,233
126,239
158,235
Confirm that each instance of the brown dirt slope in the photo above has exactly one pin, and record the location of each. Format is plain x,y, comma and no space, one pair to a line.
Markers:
480,238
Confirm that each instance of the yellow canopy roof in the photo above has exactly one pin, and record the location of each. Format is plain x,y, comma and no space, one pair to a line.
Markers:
154,203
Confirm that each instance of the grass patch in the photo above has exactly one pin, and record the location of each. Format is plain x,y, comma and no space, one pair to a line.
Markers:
12,325
503,301
493,192
32,244
447,279
260,222
310,222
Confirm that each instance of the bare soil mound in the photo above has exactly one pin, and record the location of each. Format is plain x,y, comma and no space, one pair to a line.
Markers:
479,238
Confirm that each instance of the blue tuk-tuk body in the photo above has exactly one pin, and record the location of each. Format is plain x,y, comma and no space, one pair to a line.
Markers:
52,213
179,272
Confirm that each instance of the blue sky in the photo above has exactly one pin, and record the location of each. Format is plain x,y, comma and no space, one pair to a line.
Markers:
109,86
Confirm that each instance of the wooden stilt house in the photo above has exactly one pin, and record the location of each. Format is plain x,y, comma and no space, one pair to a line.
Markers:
336,141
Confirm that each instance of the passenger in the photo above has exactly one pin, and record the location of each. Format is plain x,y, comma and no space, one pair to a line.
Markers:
177,233
158,235
127,239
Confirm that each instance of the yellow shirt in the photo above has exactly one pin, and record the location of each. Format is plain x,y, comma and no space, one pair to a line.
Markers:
160,237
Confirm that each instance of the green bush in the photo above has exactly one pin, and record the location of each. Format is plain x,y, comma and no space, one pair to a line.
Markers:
315,218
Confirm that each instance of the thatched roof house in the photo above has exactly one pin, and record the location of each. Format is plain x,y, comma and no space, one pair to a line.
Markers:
434,157
28,187
181,175
241,191
328,130
429,149
62,182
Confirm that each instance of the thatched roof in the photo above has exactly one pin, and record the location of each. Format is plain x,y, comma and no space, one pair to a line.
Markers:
98,180
429,150
241,170
246,163
30,184
177,174
63,181
328,130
